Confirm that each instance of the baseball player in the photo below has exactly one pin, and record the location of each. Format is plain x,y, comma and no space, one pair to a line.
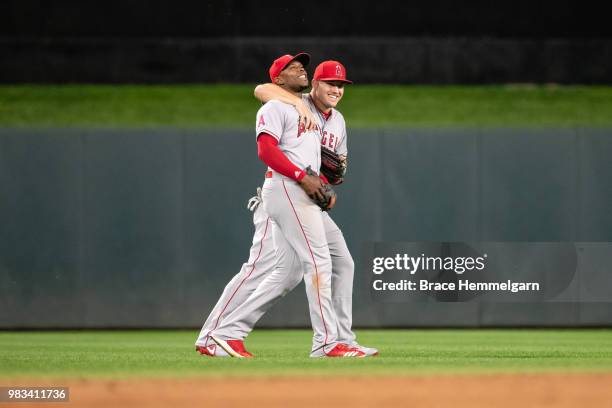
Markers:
327,91
233,317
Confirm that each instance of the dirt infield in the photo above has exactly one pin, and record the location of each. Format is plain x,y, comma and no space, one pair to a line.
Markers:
499,390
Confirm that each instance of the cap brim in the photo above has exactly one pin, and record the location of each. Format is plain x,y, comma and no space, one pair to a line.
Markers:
301,57
335,79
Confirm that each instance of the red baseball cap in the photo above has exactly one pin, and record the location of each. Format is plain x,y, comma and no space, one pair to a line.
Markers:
281,63
331,71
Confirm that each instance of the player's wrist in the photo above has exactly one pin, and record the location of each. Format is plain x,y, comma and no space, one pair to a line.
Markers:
300,176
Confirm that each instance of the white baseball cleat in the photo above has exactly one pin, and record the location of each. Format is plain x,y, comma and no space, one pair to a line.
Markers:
369,351
340,350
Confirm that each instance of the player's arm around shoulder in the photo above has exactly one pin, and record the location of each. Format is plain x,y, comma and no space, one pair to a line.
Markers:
272,92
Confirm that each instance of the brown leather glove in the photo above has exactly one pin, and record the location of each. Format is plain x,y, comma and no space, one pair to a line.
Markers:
333,166
326,197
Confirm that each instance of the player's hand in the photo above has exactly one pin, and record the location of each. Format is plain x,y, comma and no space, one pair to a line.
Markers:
306,116
314,187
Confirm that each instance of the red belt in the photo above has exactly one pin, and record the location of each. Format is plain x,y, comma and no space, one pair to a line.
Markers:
269,174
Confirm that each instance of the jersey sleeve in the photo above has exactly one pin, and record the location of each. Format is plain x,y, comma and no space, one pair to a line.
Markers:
269,120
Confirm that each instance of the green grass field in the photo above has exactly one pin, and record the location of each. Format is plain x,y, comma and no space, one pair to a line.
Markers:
118,354
363,106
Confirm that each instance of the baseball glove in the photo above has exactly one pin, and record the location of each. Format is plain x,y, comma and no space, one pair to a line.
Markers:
332,166
328,193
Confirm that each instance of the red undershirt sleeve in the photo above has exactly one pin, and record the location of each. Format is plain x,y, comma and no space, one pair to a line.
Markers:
269,153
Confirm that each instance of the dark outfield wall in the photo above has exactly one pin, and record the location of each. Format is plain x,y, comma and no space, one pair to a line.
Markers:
216,18
142,228
386,41
413,60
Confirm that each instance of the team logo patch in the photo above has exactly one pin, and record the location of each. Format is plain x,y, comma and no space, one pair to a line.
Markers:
338,71
262,122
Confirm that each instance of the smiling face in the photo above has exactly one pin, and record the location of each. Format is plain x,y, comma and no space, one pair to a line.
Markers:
293,78
327,94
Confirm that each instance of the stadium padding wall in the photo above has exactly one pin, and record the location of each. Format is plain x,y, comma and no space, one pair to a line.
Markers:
143,228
